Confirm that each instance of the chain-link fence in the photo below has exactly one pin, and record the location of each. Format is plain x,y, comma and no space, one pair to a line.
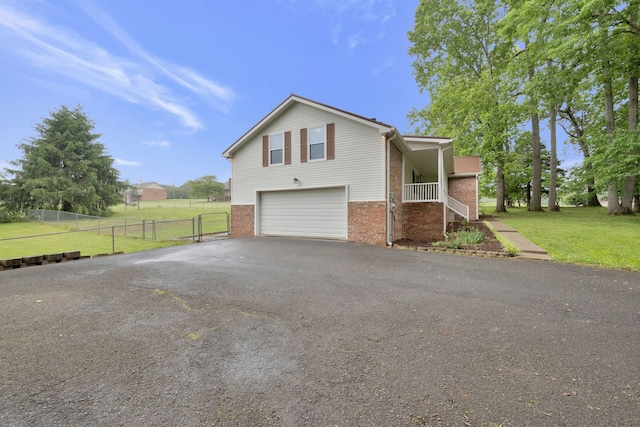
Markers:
96,235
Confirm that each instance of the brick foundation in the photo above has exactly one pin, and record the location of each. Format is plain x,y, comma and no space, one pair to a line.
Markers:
367,222
242,220
422,221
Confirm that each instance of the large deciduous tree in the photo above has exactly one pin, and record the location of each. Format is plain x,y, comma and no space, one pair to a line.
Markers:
206,187
64,168
461,61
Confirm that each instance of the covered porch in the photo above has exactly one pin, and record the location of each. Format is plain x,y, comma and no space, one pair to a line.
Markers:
425,168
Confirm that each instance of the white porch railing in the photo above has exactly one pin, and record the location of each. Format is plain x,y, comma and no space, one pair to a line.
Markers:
424,192
458,207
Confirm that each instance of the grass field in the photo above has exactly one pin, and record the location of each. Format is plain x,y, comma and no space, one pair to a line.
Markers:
584,235
57,238
574,235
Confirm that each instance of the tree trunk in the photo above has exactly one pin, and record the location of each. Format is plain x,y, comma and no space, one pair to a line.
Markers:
536,177
553,172
592,195
613,206
636,203
578,136
500,186
629,188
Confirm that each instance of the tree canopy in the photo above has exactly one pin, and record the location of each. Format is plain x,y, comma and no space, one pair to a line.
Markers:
64,168
495,68
206,187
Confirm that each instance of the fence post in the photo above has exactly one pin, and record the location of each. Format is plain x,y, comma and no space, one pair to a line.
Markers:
143,228
113,240
228,224
200,227
193,229
153,229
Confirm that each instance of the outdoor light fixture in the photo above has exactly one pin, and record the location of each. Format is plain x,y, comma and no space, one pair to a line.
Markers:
296,180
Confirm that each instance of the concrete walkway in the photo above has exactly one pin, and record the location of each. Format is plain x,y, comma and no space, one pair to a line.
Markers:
528,249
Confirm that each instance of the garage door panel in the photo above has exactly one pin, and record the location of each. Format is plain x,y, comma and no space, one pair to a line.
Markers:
305,213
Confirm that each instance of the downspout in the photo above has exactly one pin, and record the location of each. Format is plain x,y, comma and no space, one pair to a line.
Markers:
390,203
477,200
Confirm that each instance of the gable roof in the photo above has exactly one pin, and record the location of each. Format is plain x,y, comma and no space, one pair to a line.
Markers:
292,99
467,166
152,184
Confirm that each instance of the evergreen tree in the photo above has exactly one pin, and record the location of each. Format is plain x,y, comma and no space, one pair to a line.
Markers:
65,168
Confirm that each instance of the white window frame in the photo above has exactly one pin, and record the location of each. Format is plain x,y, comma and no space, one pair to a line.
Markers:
271,150
324,142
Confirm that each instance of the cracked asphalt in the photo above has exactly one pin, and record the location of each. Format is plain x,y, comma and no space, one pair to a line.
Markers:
267,331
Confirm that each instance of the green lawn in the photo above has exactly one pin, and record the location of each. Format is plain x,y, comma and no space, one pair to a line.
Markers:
584,235
57,238
574,235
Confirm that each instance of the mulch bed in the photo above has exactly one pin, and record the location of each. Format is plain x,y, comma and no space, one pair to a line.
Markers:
490,244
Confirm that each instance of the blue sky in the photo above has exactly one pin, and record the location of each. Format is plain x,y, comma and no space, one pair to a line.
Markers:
171,84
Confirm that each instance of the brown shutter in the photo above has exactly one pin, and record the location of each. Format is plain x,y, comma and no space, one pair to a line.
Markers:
265,151
287,148
303,145
331,141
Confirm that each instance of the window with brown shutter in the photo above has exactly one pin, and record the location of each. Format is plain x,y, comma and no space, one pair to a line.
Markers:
274,149
265,151
287,148
303,145
331,141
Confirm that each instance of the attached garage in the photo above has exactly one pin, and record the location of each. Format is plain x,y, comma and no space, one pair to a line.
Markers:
320,213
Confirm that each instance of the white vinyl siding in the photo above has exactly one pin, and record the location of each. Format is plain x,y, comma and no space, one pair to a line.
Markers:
359,159
320,213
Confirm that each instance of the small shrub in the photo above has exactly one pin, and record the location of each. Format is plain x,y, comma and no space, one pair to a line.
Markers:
466,235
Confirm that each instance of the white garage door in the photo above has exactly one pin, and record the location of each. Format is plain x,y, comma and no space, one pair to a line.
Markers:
304,213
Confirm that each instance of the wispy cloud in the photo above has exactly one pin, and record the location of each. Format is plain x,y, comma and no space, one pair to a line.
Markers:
123,162
382,66
55,49
183,76
157,143
365,16
354,40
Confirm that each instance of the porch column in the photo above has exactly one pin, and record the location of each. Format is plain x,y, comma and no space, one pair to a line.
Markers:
440,178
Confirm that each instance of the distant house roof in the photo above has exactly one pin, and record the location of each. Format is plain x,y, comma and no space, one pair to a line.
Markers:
153,185
467,166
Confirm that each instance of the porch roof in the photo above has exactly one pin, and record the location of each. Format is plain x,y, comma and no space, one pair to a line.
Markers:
467,166
423,152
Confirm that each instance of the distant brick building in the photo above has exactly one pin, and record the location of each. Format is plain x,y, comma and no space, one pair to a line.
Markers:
144,191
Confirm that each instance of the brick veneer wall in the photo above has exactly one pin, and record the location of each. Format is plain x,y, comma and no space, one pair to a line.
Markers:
242,220
149,194
396,188
367,222
423,220
463,189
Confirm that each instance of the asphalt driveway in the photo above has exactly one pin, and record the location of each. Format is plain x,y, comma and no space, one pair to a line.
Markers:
292,332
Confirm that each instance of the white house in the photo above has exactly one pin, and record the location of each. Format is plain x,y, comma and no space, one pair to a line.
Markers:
311,170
